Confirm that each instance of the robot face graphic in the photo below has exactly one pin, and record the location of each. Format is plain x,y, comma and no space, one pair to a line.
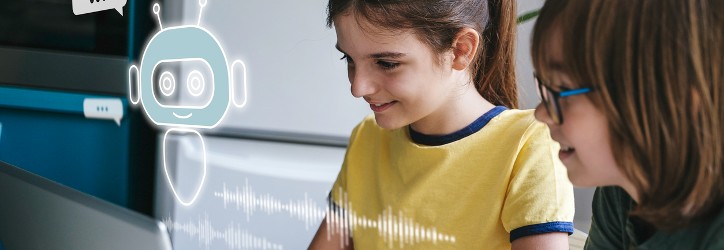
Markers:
206,78
189,45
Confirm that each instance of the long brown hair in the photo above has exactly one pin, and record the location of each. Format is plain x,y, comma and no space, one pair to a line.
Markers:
656,67
436,22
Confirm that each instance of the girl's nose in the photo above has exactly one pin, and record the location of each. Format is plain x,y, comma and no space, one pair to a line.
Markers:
362,84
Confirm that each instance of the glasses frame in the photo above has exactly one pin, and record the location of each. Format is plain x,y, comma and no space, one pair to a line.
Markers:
550,98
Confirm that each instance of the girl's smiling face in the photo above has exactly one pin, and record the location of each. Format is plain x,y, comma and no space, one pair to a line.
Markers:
584,135
402,79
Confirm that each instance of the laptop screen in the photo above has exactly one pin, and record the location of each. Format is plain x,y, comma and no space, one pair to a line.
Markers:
37,213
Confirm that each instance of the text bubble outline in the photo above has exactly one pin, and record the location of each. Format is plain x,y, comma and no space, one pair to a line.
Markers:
112,109
81,7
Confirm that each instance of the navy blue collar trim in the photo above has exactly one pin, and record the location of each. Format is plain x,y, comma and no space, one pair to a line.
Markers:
438,140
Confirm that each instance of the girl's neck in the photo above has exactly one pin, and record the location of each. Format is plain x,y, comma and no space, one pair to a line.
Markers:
631,191
462,109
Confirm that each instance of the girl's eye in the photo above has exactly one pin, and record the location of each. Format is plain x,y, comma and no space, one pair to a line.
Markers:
346,59
385,65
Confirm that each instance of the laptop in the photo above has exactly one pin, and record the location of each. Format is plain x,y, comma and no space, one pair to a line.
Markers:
36,213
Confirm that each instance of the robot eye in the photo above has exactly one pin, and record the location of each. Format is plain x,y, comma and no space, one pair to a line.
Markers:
168,83
195,86
195,83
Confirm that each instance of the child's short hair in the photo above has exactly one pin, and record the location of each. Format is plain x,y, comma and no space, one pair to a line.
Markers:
656,66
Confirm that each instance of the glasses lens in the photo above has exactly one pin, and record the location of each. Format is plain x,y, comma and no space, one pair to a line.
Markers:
552,105
549,100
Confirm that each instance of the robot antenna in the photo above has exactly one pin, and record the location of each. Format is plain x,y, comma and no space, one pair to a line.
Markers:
156,10
202,4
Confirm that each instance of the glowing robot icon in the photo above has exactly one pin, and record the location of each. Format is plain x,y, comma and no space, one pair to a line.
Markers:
210,84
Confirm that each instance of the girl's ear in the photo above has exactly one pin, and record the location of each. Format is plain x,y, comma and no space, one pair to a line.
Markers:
465,46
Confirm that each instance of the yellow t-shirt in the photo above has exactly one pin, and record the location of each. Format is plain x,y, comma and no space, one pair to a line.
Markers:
495,181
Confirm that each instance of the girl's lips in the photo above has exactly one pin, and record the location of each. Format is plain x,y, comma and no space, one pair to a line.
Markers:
381,107
566,152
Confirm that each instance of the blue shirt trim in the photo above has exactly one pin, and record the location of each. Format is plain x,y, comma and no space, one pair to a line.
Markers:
438,140
549,227
332,205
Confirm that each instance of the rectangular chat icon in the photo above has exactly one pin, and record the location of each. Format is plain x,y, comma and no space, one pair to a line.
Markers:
103,108
81,7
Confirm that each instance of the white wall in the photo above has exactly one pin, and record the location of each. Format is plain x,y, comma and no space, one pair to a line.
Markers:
528,95
296,82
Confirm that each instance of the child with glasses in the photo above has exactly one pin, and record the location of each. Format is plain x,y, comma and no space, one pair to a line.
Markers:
632,90
443,163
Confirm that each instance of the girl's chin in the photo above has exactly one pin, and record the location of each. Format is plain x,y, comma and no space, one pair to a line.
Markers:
583,180
388,122
577,177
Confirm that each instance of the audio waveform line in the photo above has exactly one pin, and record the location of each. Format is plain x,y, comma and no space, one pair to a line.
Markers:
392,227
233,235
248,201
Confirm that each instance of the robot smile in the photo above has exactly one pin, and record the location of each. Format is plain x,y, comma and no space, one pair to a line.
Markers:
182,117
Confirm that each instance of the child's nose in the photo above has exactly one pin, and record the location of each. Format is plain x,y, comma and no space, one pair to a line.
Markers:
362,84
541,114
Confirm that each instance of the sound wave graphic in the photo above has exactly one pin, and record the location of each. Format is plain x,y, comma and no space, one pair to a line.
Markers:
393,228
233,235
246,200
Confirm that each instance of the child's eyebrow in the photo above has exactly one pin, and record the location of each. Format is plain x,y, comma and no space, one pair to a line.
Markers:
393,55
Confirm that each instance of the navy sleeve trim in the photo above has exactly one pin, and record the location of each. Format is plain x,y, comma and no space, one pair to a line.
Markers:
333,207
548,227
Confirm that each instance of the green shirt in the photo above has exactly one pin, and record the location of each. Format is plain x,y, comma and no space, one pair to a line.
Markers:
612,228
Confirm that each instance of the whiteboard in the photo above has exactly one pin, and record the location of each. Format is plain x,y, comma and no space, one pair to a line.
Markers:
296,82
254,195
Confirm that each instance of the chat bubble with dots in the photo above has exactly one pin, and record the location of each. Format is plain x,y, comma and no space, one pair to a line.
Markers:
81,7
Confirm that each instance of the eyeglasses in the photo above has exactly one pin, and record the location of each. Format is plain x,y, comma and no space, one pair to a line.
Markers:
550,98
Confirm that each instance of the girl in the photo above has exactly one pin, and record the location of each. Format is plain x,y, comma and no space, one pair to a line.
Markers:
632,91
442,163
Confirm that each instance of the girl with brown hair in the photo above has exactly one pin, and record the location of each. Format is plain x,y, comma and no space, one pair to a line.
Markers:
632,90
446,161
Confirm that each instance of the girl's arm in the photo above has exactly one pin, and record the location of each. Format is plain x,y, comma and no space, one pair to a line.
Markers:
542,241
321,242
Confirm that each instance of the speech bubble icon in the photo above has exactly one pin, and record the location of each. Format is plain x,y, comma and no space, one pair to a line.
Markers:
81,7
103,108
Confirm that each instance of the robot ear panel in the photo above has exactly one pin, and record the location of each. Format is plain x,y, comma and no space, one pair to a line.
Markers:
133,84
239,90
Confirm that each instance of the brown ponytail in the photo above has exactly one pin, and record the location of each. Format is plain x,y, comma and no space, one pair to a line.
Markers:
495,77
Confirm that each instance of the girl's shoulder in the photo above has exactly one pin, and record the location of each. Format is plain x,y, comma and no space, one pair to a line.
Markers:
517,116
518,121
